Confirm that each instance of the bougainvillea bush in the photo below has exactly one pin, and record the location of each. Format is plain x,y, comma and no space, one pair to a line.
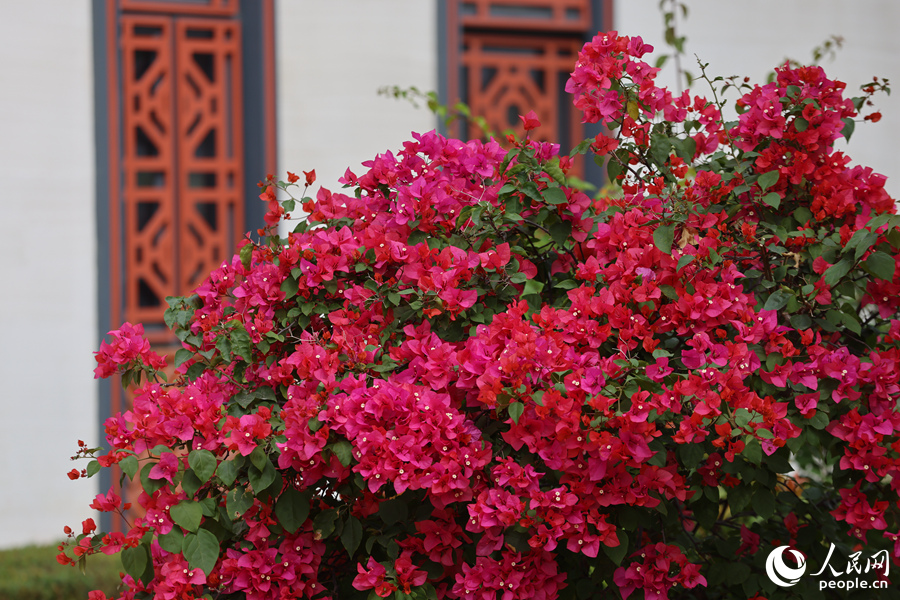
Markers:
463,377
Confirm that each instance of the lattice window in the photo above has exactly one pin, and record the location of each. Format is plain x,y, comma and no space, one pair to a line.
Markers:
181,190
506,75
173,156
506,57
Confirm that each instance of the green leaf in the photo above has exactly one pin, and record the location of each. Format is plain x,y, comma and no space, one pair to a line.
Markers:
881,265
861,241
777,300
246,255
135,560
800,124
767,180
613,167
129,466
691,455
223,345
246,398
834,318
531,190
685,148
738,497
170,316
581,148
568,284
93,468
684,261
150,485
173,541
290,286
393,511
210,506
532,286
800,322
802,215
764,502
819,420
851,322
849,126
201,550
552,169
261,479
752,451
663,237
203,462
182,356
237,502
742,416
670,292
240,343
893,237
773,199
706,510
187,514
718,574
728,573
344,451
259,458
190,483
227,472
416,237
351,535
617,553
515,411
292,509
323,524
195,371
560,232
555,195
836,272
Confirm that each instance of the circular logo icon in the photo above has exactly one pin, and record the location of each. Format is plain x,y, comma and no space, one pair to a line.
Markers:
780,573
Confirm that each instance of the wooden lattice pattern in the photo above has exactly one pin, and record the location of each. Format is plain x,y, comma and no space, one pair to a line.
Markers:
508,75
515,56
181,108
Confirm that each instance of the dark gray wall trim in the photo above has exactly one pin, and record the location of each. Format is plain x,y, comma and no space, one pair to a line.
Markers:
256,145
442,69
101,151
593,172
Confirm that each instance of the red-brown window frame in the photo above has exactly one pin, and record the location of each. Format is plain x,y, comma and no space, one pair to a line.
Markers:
107,15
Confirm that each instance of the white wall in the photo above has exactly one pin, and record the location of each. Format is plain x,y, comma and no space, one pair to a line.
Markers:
332,59
47,270
750,38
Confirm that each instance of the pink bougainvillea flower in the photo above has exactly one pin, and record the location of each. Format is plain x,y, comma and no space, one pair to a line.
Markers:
166,467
